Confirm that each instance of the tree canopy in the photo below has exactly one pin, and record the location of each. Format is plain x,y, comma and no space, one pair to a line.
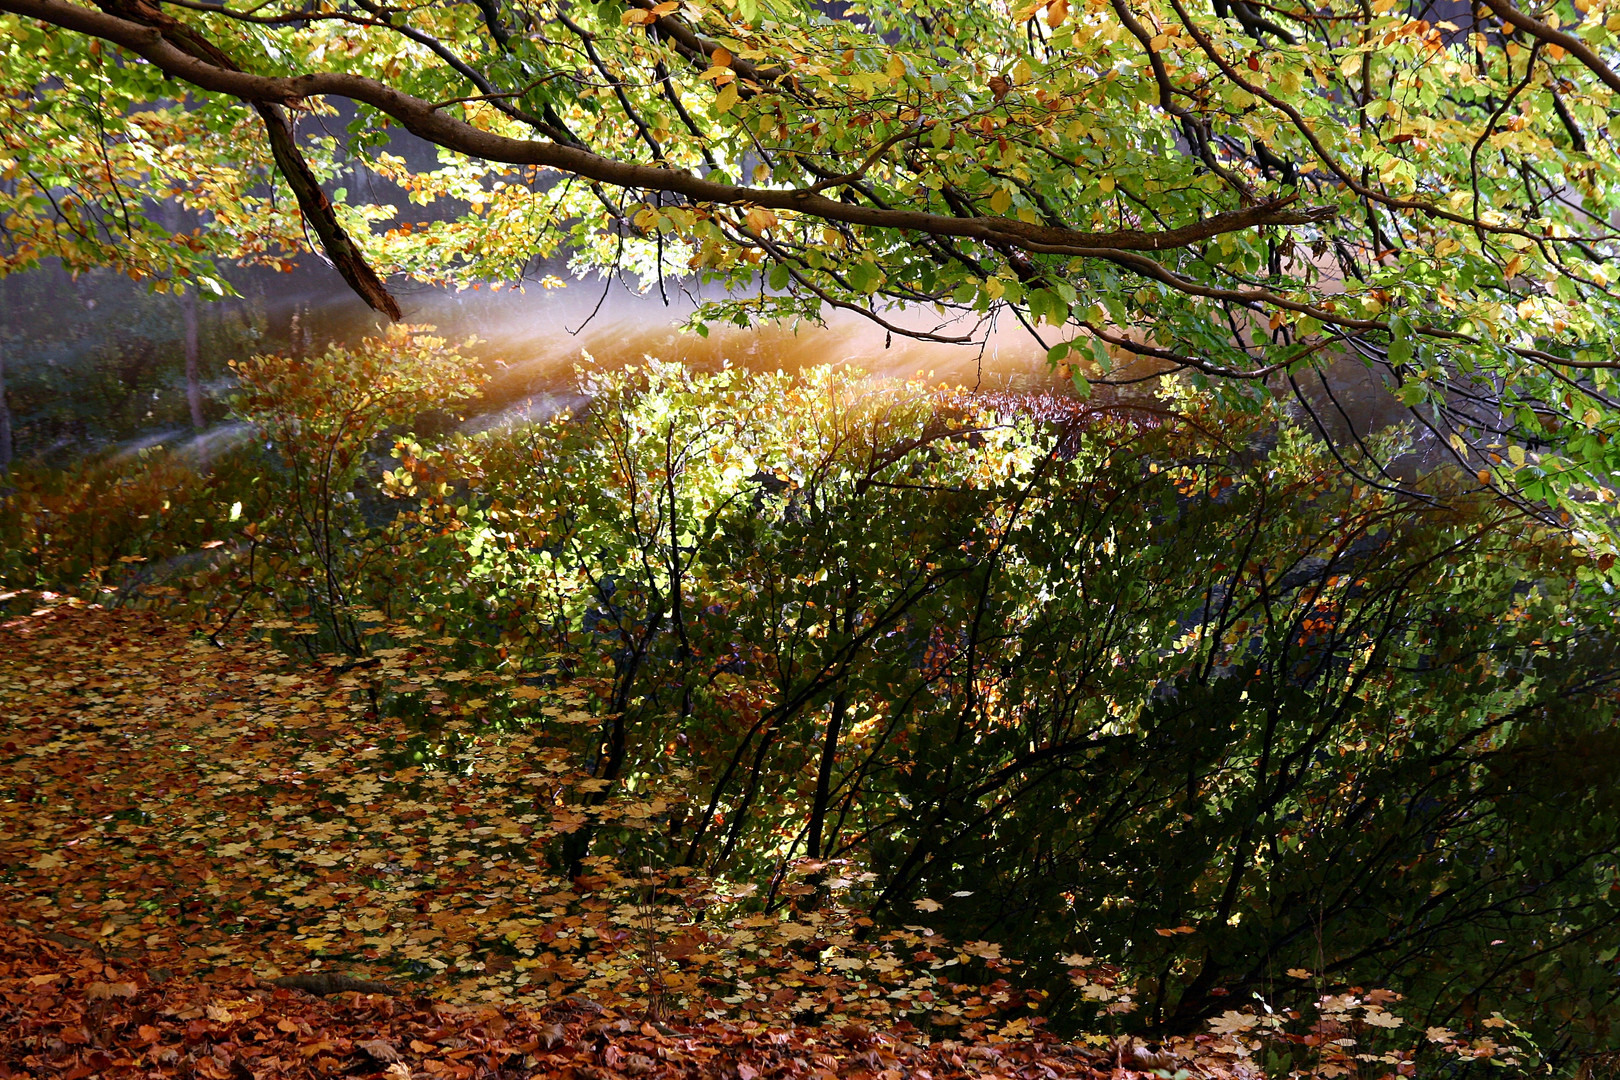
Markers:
1252,191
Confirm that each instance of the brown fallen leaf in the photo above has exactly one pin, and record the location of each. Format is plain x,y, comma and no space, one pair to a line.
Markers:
380,1049
100,991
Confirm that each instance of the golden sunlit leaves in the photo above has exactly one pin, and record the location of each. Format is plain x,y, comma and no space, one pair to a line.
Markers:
761,220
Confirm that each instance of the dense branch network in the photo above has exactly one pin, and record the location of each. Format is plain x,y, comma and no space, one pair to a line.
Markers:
1248,192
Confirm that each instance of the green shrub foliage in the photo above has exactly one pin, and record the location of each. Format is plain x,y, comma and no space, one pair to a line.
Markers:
1161,691
1163,687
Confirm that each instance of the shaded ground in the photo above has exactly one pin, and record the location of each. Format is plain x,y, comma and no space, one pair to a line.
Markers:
183,824
71,1013
174,796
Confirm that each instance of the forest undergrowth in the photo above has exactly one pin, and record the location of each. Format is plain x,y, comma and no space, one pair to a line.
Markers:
193,824
804,709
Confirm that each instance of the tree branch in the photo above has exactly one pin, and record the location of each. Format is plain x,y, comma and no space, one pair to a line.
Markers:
421,119
317,209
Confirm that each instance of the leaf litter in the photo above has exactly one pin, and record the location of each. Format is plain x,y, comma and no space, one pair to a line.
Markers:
214,863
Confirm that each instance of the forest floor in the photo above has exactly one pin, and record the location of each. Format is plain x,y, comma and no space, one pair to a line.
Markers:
216,863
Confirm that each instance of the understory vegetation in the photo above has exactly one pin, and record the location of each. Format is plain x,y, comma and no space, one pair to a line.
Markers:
1156,711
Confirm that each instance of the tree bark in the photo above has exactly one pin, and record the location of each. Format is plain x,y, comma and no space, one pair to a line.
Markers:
829,756
5,415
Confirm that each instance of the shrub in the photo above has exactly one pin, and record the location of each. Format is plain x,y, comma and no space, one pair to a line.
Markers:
1168,689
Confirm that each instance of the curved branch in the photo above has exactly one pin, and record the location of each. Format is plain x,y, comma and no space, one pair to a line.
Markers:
1571,44
341,251
421,119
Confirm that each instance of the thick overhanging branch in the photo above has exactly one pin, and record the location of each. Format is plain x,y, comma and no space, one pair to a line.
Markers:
1550,35
433,125
317,209
346,258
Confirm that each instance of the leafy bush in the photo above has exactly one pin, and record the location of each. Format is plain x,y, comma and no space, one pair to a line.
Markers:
316,555
1157,699
106,526
1166,689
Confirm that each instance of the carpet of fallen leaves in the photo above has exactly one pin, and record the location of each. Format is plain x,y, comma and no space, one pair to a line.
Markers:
185,824
73,1014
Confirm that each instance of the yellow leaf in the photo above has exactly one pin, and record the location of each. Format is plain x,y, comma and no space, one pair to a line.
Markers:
897,66
1057,13
726,99
1159,42
1000,200
1513,266
720,58
761,219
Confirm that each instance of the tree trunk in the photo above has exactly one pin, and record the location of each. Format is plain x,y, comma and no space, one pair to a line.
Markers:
194,393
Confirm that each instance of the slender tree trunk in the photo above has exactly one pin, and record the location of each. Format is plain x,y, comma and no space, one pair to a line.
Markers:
824,772
194,393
